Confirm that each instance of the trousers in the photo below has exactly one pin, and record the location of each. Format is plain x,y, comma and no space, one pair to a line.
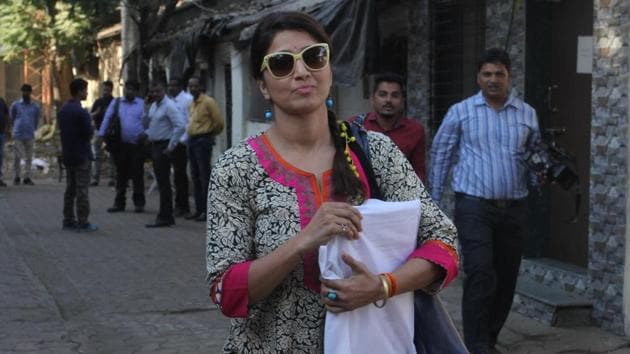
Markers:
76,194
129,160
180,177
162,168
492,235
199,153
23,149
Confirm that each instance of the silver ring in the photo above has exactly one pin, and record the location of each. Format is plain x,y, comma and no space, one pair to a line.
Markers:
344,228
331,295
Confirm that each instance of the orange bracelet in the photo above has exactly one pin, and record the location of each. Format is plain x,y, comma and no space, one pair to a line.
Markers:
393,285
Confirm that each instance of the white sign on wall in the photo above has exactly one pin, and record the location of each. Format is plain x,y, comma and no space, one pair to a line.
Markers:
585,55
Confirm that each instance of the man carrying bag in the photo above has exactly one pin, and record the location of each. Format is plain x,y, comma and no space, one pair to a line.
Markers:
126,146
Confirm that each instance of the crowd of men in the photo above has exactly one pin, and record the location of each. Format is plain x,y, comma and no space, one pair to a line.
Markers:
479,142
165,127
155,128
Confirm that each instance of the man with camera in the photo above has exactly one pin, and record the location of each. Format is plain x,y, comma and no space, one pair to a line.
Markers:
484,138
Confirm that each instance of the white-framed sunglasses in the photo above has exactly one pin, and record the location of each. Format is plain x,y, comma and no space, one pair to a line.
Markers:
282,64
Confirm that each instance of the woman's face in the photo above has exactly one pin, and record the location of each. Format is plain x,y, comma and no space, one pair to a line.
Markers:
303,91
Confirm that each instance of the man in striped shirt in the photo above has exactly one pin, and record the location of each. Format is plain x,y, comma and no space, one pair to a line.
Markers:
484,138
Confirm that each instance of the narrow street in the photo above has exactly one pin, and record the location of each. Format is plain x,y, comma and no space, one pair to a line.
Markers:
129,289
121,289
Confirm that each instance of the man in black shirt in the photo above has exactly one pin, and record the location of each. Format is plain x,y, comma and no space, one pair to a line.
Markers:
76,133
98,112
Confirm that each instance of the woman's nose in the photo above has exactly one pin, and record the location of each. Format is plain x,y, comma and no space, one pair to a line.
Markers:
300,68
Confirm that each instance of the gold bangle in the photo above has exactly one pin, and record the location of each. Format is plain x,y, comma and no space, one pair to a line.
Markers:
385,283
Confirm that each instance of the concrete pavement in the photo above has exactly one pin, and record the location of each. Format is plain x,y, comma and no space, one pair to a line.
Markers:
128,289
122,289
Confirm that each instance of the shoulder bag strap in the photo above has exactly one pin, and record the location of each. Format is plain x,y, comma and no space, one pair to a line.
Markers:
361,149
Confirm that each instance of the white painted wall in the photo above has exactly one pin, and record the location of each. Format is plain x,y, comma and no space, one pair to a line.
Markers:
242,86
349,101
215,87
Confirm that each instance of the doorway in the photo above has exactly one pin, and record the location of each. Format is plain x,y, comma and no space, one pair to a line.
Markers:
561,95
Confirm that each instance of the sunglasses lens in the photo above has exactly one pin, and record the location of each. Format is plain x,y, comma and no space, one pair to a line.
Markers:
281,64
315,58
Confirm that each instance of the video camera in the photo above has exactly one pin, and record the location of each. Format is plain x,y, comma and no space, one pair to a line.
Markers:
552,161
556,165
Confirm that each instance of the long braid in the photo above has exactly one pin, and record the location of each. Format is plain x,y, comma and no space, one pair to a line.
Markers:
346,185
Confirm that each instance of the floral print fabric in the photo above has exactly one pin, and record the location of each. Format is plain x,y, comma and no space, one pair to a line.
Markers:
256,203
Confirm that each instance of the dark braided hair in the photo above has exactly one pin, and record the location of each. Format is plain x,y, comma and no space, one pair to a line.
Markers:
346,186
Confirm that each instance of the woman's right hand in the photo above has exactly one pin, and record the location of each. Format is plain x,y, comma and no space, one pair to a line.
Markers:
330,220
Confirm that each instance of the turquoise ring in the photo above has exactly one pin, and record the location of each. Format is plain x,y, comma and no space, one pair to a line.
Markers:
331,295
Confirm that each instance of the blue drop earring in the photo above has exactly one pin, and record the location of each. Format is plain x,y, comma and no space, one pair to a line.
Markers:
268,115
329,102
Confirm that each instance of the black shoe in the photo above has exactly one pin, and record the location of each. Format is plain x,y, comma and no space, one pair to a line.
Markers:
116,209
138,209
161,223
94,184
192,216
180,213
201,217
2,184
87,227
28,181
16,180
111,184
72,226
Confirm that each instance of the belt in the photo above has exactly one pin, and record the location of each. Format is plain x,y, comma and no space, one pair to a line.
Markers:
156,142
497,203
205,135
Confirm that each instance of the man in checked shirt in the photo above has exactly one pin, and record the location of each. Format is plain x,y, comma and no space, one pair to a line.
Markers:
484,138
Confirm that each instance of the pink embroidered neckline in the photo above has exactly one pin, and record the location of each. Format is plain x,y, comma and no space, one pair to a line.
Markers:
309,197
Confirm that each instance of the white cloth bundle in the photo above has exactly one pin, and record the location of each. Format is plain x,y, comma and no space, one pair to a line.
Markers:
389,235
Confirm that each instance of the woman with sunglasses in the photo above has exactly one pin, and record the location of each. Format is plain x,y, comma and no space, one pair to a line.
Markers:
274,199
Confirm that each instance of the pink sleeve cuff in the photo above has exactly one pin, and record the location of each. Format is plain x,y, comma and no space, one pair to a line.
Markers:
229,290
439,253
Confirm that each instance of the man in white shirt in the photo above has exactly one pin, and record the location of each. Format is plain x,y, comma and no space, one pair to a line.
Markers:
165,127
179,157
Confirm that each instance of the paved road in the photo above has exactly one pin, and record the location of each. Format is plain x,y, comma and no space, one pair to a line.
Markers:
122,289
128,289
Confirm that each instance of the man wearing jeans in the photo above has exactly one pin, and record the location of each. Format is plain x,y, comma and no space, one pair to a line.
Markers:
76,133
484,139
205,122
25,116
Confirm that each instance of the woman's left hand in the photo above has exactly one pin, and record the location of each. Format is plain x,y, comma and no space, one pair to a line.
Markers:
360,289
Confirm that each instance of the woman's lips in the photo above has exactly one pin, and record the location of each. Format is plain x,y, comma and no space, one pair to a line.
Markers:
304,90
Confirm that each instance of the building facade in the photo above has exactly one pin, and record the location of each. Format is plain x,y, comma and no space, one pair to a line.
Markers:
569,61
